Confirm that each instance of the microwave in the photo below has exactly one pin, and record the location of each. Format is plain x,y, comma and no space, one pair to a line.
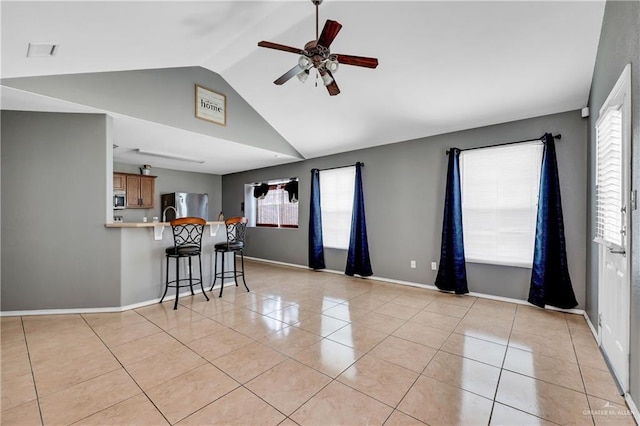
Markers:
119,200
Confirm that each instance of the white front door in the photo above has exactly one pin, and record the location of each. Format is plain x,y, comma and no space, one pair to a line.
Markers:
614,312
613,191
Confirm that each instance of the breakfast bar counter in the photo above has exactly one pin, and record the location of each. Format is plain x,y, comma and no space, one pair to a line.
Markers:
158,227
148,224
143,260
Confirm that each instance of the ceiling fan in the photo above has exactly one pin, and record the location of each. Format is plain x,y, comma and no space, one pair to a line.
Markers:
316,54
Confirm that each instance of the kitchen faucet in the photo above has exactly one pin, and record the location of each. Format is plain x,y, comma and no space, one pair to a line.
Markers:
164,212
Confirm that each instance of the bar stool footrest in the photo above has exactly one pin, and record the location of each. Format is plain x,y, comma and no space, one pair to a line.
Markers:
194,282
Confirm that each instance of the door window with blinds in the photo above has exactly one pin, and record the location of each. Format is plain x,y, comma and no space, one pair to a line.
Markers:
500,202
336,204
609,220
276,208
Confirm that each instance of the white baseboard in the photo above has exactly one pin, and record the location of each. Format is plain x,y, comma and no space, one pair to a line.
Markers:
633,408
426,286
592,328
275,262
60,311
292,265
100,310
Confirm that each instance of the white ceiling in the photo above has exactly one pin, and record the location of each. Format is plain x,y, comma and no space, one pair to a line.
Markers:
444,66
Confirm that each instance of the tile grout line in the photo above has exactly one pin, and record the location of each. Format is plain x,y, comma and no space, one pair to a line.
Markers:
395,407
188,371
126,371
332,379
33,377
462,356
495,395
240,385
287,416
409,390
335,379
584,384
243,385
550,356
451,332
524,375
507,346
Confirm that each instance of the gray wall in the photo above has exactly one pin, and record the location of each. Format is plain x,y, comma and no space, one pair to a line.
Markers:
174,181
56,252
404,194
173,88
619,45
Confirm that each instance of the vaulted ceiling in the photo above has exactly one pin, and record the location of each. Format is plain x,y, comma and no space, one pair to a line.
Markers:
444,66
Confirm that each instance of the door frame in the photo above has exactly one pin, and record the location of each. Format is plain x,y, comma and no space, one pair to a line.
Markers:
622,88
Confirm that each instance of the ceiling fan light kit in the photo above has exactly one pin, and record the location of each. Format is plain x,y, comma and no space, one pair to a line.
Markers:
316,54
332,64
303,76
305,62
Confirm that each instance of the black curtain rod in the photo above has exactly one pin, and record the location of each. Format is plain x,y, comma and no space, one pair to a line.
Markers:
340,167
274,182
558,136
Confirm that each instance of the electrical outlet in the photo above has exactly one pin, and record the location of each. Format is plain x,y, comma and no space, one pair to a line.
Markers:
413,264
434,266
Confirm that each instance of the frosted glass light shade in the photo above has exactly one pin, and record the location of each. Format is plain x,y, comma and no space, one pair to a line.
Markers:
326,79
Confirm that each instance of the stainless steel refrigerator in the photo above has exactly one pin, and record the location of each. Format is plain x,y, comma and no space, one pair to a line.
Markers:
185,204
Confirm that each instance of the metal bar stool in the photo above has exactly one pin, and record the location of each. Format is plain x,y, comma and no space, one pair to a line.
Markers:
187,237
236,227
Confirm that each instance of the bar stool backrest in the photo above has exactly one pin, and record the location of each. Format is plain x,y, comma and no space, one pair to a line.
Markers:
236,227
187,232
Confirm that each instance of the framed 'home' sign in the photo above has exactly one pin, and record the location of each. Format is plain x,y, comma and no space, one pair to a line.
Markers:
211,106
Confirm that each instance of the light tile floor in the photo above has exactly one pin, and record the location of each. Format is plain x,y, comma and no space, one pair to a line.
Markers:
308,348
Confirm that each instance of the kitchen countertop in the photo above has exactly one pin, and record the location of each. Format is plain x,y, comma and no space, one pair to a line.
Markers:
147,224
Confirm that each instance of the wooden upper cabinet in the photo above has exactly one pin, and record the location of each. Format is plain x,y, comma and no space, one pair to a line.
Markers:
119,182
147,188
140,190
133,191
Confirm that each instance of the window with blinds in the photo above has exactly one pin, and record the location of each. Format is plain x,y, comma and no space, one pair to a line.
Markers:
500,202
609,218
275,210
336,203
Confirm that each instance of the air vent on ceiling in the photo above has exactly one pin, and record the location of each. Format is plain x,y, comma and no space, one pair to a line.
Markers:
41,50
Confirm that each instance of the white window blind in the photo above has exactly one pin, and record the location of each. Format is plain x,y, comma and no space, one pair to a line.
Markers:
275,210
609,177
336,203
499,203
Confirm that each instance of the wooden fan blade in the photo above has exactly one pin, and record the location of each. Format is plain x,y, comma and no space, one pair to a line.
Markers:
333,87
276,46
288,75
329,32
358,61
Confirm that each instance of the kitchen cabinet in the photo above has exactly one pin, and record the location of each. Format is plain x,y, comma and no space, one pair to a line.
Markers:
119,182
140,191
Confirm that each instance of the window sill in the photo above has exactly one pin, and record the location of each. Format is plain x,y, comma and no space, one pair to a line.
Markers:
526,265
274,227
